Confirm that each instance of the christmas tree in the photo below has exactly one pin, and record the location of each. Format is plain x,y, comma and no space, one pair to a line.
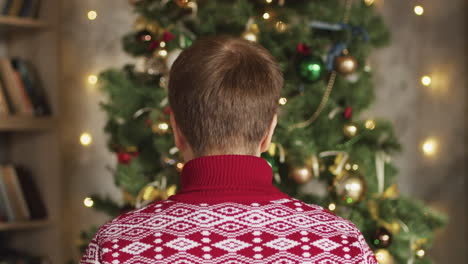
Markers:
322,153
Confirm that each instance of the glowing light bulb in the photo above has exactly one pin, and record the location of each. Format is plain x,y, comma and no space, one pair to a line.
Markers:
370,124
420,253
179,166
92,79
250,36
426,80
162,44
86,139
430,146
355,167
369,2
88,202
347,166
282,101
162,53
266,15
163,126
419,10
268,1
332,207
92,15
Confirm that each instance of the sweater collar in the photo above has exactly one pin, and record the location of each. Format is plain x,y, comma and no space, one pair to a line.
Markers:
226,171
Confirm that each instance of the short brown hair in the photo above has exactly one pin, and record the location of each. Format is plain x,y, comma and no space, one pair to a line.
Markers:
224,92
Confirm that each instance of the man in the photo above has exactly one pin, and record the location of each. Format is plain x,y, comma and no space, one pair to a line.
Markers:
223,94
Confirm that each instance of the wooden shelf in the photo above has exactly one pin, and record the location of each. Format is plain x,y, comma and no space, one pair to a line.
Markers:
9,226
20,22
26,123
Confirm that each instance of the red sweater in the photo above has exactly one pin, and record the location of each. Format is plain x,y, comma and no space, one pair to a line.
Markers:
228,211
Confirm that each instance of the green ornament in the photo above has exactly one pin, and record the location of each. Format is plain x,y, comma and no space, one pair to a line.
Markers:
310,69
185,42
271,161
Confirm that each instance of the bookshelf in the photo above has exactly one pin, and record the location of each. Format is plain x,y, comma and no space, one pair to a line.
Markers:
24,123
24,225
33,142
11,23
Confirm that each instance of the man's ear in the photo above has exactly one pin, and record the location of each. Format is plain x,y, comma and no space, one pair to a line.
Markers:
265,145
179,139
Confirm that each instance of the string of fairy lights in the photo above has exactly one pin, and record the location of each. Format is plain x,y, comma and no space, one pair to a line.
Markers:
429,146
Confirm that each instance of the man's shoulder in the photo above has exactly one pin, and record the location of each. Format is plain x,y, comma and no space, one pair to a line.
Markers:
291,210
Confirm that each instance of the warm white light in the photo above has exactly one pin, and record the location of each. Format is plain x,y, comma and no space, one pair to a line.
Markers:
162,53
347,166
266,15
420,253
92,79
268,1
370,124
419,10
430,146
352,129
332,207
179,166
250,36
92,15
88,202
86,139
426,80
355,167
369,2
162,44
282,101
163,126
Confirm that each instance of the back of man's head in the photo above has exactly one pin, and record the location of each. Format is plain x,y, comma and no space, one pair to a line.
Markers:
224,92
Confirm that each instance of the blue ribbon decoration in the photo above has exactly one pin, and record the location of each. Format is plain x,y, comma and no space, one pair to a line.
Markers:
338,48
334,52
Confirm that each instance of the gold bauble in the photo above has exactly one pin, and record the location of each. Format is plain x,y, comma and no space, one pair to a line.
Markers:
140,23
346,64
301,175
151,193
350,130
281,26
351,188
154,28
383,256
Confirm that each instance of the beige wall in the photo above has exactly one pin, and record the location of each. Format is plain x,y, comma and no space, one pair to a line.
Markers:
430,44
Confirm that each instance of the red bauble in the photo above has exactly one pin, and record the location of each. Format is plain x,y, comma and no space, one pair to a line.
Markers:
124,157
167,110
153,45
167,36
148,123
303,49
348,113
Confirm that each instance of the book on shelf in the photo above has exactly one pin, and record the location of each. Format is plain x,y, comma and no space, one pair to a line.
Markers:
21,92
20,8
19,196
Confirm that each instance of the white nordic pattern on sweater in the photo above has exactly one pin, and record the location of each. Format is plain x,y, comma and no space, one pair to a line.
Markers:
282,231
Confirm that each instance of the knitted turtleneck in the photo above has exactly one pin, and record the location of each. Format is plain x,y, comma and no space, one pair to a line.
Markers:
217,178
228,211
